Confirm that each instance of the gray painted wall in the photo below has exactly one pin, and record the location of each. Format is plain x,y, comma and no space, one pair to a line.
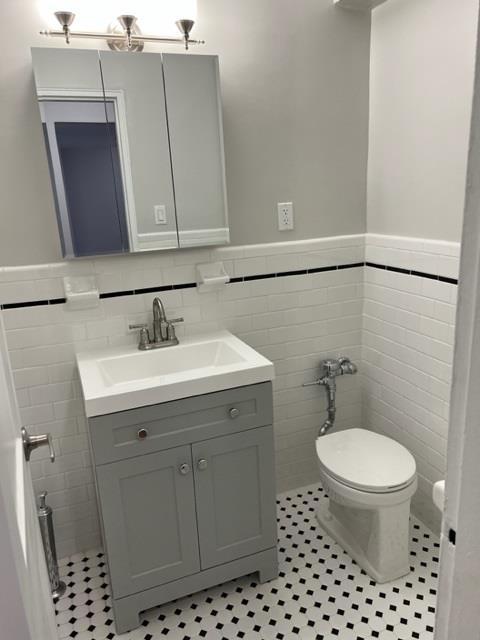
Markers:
295,93
421,86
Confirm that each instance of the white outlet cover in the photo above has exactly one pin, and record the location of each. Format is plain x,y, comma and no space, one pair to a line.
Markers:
285,216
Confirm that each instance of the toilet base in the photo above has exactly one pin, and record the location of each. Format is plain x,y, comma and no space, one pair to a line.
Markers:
380,543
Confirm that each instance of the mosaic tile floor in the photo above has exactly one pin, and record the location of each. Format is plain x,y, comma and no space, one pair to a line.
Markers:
321,593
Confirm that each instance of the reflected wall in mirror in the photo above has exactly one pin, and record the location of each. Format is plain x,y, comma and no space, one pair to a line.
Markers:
85,169
135,149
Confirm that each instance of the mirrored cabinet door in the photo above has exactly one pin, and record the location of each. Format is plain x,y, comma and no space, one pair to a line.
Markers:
135,149
192,88
134,82
83,152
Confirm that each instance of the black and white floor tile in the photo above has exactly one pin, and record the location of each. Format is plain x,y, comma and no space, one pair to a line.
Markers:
321,594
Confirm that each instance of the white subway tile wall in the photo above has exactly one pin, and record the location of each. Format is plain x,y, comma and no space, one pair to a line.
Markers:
405,324
407,353
295,321
416,254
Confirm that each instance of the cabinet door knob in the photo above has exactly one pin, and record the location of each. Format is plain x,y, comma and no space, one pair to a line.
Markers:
234,413
184,469
202,464
142,434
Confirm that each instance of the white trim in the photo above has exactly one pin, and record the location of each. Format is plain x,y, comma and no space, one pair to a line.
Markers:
442,247
222,144
156,240
458,613
203,237
358,5
117,97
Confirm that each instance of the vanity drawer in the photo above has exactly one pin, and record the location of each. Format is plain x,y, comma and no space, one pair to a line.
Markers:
147,429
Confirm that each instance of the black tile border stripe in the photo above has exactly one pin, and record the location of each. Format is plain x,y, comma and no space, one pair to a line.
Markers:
260,276
32,303
412,272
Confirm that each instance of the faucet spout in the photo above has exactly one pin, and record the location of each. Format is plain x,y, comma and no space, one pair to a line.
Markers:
159,321
163,329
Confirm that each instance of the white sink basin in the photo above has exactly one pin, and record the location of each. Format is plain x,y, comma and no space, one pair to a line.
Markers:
118,369
124,378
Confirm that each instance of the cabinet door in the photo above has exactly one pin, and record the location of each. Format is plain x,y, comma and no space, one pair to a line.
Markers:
148,511
192,93
235,489
135,83
83,152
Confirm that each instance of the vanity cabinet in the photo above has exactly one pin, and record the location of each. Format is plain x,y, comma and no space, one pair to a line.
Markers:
187,496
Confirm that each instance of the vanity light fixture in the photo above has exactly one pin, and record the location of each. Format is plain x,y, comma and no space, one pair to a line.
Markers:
124,36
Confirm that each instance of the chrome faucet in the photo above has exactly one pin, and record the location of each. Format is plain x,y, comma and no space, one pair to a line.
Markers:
159,321
163,329
331,369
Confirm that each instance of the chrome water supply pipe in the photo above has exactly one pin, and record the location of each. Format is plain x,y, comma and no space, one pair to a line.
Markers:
45,519
331,369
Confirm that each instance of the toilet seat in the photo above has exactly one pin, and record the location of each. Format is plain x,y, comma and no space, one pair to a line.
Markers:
366,461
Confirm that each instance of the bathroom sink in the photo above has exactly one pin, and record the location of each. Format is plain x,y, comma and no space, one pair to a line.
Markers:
122,368
124,378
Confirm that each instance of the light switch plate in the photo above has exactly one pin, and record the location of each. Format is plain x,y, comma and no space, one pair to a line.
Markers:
160,214
285,216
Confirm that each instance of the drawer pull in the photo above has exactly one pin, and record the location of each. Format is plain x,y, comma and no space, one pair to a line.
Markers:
184,469
142,434
202,464
234,413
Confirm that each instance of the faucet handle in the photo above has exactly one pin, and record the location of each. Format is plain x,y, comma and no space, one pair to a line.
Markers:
144,341
312,384
346,365
171,329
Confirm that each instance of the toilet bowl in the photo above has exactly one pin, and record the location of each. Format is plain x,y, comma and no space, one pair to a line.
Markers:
370,480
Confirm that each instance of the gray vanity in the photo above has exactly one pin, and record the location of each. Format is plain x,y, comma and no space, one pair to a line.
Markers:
186,492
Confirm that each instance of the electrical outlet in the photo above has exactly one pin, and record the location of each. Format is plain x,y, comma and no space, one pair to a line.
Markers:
285,216
160,214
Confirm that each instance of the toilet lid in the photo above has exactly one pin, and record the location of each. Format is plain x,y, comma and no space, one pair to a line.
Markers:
366,460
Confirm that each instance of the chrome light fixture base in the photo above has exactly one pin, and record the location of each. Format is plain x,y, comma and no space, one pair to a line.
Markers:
185,26
65,19
126,25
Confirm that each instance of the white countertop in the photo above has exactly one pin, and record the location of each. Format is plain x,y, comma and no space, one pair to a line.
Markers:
122,378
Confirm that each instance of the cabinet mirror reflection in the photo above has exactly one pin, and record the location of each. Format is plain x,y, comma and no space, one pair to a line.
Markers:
135,149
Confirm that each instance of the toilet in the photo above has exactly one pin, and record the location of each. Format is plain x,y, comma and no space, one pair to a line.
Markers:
370,480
